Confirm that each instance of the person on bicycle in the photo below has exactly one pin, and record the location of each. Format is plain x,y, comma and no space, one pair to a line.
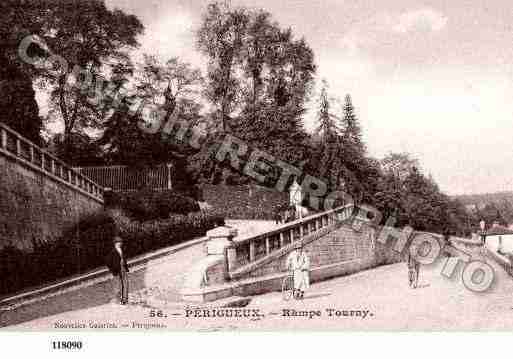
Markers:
413,270
298,264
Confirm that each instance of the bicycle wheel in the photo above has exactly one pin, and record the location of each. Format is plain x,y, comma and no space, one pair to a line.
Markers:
287,287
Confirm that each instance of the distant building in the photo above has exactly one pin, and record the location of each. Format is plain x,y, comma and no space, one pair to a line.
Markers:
499,238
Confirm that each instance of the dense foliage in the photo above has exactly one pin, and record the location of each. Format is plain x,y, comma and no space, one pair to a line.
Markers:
85,247
490,207
18,106
395,185
245,201
148,205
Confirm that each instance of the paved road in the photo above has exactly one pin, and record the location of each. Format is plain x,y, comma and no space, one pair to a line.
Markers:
169,270
381,293
164,275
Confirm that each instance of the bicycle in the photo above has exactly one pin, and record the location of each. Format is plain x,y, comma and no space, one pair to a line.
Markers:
287,287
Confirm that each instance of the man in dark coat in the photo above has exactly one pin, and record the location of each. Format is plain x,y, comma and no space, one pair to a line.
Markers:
413,271
119,268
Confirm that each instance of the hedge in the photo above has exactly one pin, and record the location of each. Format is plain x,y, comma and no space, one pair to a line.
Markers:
84,247
148,205
245,201
141,237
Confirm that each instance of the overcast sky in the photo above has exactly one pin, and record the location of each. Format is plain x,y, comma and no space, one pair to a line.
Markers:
433,78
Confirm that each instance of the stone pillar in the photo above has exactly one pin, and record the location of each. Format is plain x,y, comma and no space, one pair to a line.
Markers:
220,243
231,259
219,260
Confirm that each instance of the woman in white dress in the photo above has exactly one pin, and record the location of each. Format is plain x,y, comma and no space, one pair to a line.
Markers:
298,264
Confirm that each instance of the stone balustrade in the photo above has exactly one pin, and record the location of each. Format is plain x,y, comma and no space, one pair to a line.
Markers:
15,146
250,250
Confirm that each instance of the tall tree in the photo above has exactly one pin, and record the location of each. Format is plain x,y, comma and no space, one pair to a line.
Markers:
256,48
271,116
258,79
355,167
90,36
327,129
326,162
351,138
220,38
18,106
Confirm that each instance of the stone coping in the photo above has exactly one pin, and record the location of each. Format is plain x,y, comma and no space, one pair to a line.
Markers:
289,225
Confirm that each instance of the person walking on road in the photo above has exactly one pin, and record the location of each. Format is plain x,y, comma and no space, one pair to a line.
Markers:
298,264
413,271
119,268
115,257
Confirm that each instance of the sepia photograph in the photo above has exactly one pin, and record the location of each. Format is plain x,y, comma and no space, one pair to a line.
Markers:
255,166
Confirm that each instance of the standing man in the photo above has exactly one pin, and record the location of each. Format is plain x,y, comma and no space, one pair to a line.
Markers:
299,264
122,272
116,262
413,270
115,257
482,225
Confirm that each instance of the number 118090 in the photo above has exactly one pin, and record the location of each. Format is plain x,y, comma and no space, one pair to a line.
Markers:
66,345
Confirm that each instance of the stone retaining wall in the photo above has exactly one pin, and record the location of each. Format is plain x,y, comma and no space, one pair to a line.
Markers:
36,208
340,246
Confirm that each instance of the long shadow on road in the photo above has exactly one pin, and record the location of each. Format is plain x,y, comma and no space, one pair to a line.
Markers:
166,273
79,298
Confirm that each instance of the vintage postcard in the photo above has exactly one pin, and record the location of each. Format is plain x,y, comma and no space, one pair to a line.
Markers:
255,165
